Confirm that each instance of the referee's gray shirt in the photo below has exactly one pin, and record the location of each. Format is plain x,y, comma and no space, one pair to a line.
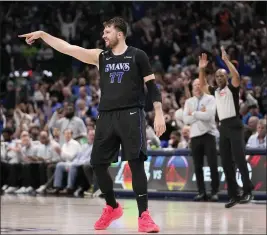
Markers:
200,122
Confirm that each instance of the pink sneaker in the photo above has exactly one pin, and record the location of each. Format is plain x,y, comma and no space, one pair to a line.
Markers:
108,215
146,224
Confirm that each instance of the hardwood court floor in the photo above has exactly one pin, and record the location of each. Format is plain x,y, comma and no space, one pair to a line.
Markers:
52,215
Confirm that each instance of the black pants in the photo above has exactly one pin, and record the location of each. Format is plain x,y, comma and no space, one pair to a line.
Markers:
33,174
232,150
14,175
89,174
50,170
4,173
205,145
82,178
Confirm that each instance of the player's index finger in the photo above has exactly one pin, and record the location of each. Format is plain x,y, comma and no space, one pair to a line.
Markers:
23,35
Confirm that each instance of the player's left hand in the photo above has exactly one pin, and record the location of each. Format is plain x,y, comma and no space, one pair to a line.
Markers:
159,124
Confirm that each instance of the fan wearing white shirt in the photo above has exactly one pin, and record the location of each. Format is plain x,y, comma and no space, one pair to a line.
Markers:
258,140
47,151
69,151
9,161
30,164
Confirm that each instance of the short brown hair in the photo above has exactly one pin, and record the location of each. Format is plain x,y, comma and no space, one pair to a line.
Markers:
118,23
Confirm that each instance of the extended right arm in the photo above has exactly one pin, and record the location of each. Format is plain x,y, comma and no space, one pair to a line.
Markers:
89,56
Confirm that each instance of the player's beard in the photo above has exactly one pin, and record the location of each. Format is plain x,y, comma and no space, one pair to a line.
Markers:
113,43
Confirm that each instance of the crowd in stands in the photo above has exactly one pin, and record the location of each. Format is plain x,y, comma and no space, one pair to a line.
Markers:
49,100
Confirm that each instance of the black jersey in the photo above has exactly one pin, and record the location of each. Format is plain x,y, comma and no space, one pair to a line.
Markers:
121,79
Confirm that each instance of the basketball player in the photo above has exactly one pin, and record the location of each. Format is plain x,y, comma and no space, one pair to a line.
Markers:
123,72
232,146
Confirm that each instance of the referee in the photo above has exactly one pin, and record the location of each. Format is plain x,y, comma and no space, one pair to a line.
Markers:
232,146
199,112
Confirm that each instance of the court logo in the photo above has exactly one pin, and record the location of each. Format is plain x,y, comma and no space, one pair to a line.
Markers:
176,173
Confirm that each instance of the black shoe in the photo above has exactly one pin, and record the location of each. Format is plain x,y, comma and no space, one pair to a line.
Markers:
53,191
200,197
246,198
214,197
33,193
232,202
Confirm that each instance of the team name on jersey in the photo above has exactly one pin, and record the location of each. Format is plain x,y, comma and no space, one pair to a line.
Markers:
117,67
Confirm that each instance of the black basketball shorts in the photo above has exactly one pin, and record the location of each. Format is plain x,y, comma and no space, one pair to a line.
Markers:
125,129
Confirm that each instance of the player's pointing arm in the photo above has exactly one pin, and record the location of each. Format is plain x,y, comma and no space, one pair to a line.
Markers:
89,56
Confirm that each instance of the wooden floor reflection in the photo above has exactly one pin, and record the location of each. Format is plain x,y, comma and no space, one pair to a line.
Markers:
52,215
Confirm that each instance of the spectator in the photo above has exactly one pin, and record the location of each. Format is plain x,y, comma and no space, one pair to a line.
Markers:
75,124
68,27
253,111
34,131
69,151
67,95
83,96
82,109
174,67
56,134
47,152
152,140
179,113
85,175
27,154
252,124
9,161
185,140
2,120
209,38
258,140
174,141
